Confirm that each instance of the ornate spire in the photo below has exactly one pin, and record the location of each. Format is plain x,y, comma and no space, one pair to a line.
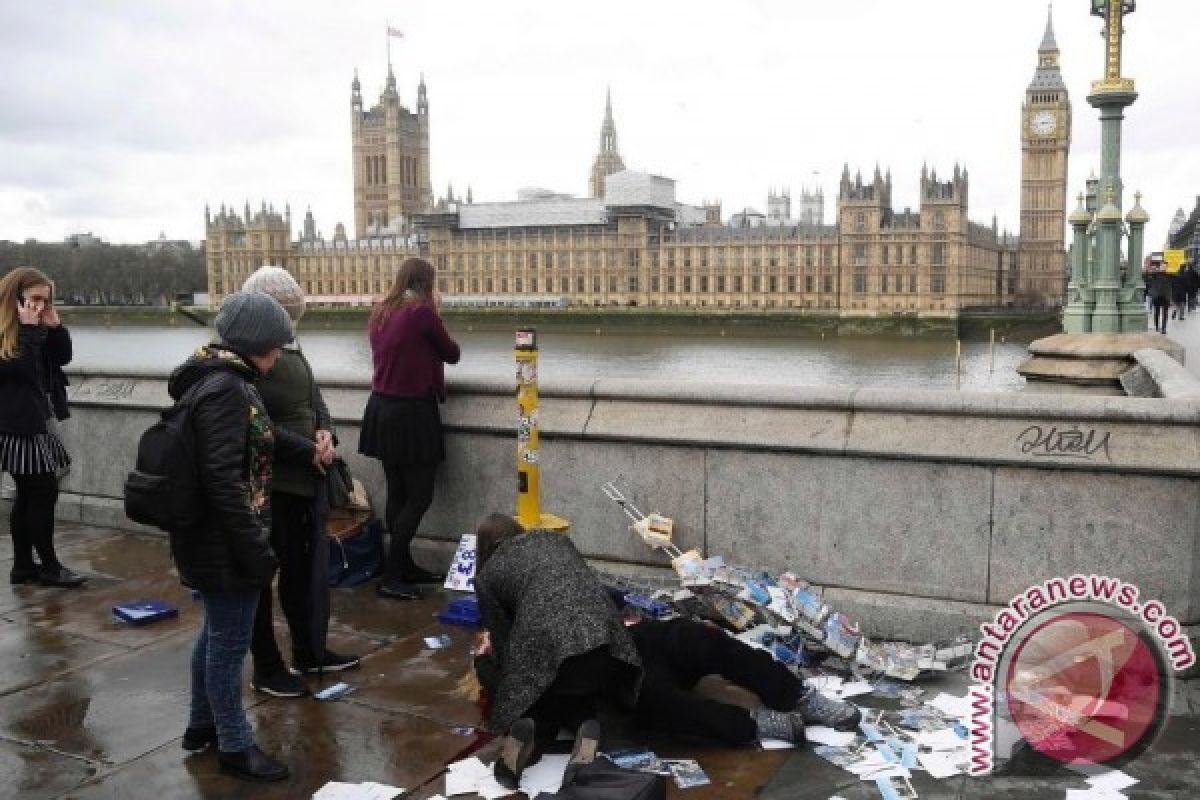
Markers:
1048,42
1047,75
608,159
608,130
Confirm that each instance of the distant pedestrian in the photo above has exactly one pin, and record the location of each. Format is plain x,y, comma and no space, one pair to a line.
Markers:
1179,295
1158,284
34,347
227,557
299,506
1192,285
402,426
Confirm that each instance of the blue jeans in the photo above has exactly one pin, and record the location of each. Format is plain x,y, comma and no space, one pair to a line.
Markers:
217,668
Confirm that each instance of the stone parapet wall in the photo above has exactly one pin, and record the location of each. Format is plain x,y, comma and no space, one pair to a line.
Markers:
915,508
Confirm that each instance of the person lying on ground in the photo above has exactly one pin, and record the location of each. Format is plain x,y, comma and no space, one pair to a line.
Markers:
677,653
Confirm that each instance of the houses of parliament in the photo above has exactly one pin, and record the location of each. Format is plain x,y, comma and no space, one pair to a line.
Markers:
630,242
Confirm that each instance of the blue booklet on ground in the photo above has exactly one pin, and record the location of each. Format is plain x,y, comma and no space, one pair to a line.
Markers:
141,612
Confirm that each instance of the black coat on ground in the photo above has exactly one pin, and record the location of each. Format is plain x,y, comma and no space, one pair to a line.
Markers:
229,551
27,378
542,604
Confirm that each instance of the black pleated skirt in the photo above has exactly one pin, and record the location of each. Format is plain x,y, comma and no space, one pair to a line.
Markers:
34,454
402,431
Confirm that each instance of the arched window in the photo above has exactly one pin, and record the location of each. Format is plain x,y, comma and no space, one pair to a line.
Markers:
383,169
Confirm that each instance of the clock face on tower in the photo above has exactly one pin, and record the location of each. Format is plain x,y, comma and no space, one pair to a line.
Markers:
1043,123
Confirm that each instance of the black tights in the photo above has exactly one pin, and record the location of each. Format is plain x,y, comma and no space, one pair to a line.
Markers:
32,520
409,495
1160,317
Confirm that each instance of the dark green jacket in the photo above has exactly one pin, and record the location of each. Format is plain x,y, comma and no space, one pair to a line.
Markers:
294,402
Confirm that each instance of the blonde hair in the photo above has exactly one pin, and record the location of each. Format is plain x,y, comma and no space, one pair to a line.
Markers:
12,286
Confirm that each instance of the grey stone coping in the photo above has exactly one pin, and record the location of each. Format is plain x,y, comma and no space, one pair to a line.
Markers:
148,389
1044,431
1173,381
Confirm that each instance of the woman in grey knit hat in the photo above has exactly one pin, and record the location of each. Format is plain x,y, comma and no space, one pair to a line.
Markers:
298,512
226,557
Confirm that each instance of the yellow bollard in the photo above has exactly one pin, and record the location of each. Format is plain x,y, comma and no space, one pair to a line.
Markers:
529,487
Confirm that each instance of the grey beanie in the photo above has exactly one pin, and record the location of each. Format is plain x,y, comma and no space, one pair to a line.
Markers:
253,323
279,283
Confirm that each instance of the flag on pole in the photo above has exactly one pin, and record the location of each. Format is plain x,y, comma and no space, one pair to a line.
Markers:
399,34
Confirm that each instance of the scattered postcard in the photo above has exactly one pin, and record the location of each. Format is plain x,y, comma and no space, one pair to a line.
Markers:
640,760
686,772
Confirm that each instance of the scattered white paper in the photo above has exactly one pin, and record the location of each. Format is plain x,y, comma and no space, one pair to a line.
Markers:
938,765
854,689
776,744
466,776
368,790
544,776
1113,780
886,771
957,707
819,734
944,739
1094,794
825,683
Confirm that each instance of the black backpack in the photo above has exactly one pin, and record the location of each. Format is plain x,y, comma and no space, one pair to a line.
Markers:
163,490
603,780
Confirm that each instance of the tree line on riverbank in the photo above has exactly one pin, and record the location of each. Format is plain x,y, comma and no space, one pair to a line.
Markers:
111,274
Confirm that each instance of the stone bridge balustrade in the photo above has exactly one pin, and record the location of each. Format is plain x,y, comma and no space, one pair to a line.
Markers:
920,511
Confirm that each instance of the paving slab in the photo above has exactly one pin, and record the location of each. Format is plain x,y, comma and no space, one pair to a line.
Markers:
407,676
359,610
30,655
120,555
31,773
44,599
88,611
319,741
114,711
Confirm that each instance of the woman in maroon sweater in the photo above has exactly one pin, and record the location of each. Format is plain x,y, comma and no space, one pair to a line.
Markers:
401,425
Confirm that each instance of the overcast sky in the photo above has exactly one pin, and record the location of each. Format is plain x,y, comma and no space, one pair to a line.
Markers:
125,118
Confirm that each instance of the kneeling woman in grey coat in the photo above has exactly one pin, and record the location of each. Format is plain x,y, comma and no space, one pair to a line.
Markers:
557,641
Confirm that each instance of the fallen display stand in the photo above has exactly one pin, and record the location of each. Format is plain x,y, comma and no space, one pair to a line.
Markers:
784,614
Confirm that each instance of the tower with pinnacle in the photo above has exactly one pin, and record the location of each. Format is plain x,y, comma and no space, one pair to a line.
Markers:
1045,142
390,157
608,159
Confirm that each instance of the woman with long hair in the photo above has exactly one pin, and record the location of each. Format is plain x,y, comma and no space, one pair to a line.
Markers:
34,347
401,425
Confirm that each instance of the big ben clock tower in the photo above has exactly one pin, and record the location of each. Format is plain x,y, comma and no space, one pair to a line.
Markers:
1045,140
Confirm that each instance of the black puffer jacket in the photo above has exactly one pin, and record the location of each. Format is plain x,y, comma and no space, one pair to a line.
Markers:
235,448
34,372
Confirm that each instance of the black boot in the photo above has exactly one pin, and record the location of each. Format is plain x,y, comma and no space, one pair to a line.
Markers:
516,753
60,576
195,739
252,764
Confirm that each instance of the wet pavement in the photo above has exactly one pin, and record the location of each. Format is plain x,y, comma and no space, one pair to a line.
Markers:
93,708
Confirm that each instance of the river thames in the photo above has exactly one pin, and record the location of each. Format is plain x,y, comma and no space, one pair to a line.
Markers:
834,361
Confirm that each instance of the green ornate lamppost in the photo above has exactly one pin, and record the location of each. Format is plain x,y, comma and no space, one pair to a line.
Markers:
1105,291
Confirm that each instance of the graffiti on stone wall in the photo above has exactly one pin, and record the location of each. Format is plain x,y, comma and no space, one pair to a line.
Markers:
107,389
1070,442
